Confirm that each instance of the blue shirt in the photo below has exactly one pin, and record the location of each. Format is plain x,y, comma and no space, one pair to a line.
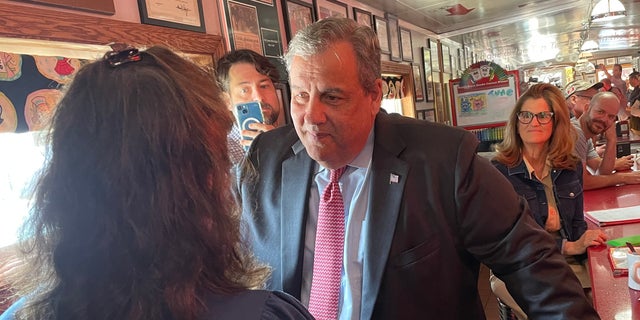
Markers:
355,186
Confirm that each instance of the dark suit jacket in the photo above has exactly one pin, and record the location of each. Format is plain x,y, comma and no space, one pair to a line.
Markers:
427,233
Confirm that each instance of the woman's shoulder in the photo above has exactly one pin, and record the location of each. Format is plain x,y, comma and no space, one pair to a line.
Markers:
254,304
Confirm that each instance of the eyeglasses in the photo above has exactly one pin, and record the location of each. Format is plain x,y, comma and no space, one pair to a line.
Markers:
525,117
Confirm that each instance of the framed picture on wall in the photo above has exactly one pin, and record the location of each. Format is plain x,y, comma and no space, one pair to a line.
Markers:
417,83
185,15
331,8
625,59
435,62
282,91
298,14
610,61
363,17
446,59
407,46
383,33
426,60
245,28
394,37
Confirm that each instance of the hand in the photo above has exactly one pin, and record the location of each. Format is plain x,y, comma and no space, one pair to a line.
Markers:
600,150
589,238
610,135
256,129
629,177
624,163
602,67
593,237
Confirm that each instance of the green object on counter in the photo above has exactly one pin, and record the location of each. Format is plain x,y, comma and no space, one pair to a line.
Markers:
621,242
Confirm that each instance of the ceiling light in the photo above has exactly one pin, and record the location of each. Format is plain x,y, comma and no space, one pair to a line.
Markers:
608,10
590,45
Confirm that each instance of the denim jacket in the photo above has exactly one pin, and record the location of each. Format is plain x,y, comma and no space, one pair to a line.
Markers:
567,188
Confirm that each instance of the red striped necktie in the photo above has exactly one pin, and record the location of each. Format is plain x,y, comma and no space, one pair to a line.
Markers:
327,259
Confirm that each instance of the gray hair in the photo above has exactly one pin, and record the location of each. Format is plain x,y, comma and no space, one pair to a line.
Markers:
318,36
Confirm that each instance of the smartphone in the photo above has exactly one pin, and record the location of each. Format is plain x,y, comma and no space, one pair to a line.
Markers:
247,113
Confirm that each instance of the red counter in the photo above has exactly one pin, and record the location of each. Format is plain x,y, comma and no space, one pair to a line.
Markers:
611,295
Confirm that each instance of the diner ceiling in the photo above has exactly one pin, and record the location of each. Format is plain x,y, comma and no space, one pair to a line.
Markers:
521,34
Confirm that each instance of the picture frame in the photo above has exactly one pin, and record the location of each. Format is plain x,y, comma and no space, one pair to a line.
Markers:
435,61
625,59
407,46
283,93
271,45
245,26
297,15
426,60
446,59
394,37
382,31
430,115
363,17
187,15
599,62
331,8
469,57
417,83
610,61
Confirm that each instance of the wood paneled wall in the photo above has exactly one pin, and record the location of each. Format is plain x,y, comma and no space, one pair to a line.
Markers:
18,21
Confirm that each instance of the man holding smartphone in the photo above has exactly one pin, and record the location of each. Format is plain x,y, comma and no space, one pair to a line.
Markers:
246,76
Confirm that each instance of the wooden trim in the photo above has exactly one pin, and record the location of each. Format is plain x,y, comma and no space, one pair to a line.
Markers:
35,23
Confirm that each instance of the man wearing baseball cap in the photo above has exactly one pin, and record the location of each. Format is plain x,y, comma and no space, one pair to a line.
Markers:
578,94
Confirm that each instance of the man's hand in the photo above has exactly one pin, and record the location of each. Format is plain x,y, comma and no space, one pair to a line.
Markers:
632,177
624,163
256,129
610,135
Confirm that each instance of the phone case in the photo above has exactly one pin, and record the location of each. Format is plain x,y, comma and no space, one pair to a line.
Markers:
249,112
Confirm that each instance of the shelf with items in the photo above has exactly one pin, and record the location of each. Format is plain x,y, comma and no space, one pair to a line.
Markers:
482,100
488,136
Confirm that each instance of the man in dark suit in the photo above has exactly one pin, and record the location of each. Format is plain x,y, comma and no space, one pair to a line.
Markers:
421,209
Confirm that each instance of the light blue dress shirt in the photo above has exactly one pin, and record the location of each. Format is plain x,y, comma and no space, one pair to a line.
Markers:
355,186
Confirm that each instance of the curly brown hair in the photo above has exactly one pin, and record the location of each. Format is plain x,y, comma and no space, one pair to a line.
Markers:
134,215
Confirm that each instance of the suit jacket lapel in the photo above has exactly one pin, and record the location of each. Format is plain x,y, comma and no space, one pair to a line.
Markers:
388,177
296,176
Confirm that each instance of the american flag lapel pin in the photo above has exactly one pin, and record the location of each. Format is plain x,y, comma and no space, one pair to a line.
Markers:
393,178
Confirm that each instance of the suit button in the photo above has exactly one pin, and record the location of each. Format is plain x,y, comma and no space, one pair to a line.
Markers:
572,194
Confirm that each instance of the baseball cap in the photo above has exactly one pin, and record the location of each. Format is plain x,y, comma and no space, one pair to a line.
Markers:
579,85
634,74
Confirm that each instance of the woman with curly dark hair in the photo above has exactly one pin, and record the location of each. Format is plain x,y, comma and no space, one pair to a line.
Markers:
134,214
